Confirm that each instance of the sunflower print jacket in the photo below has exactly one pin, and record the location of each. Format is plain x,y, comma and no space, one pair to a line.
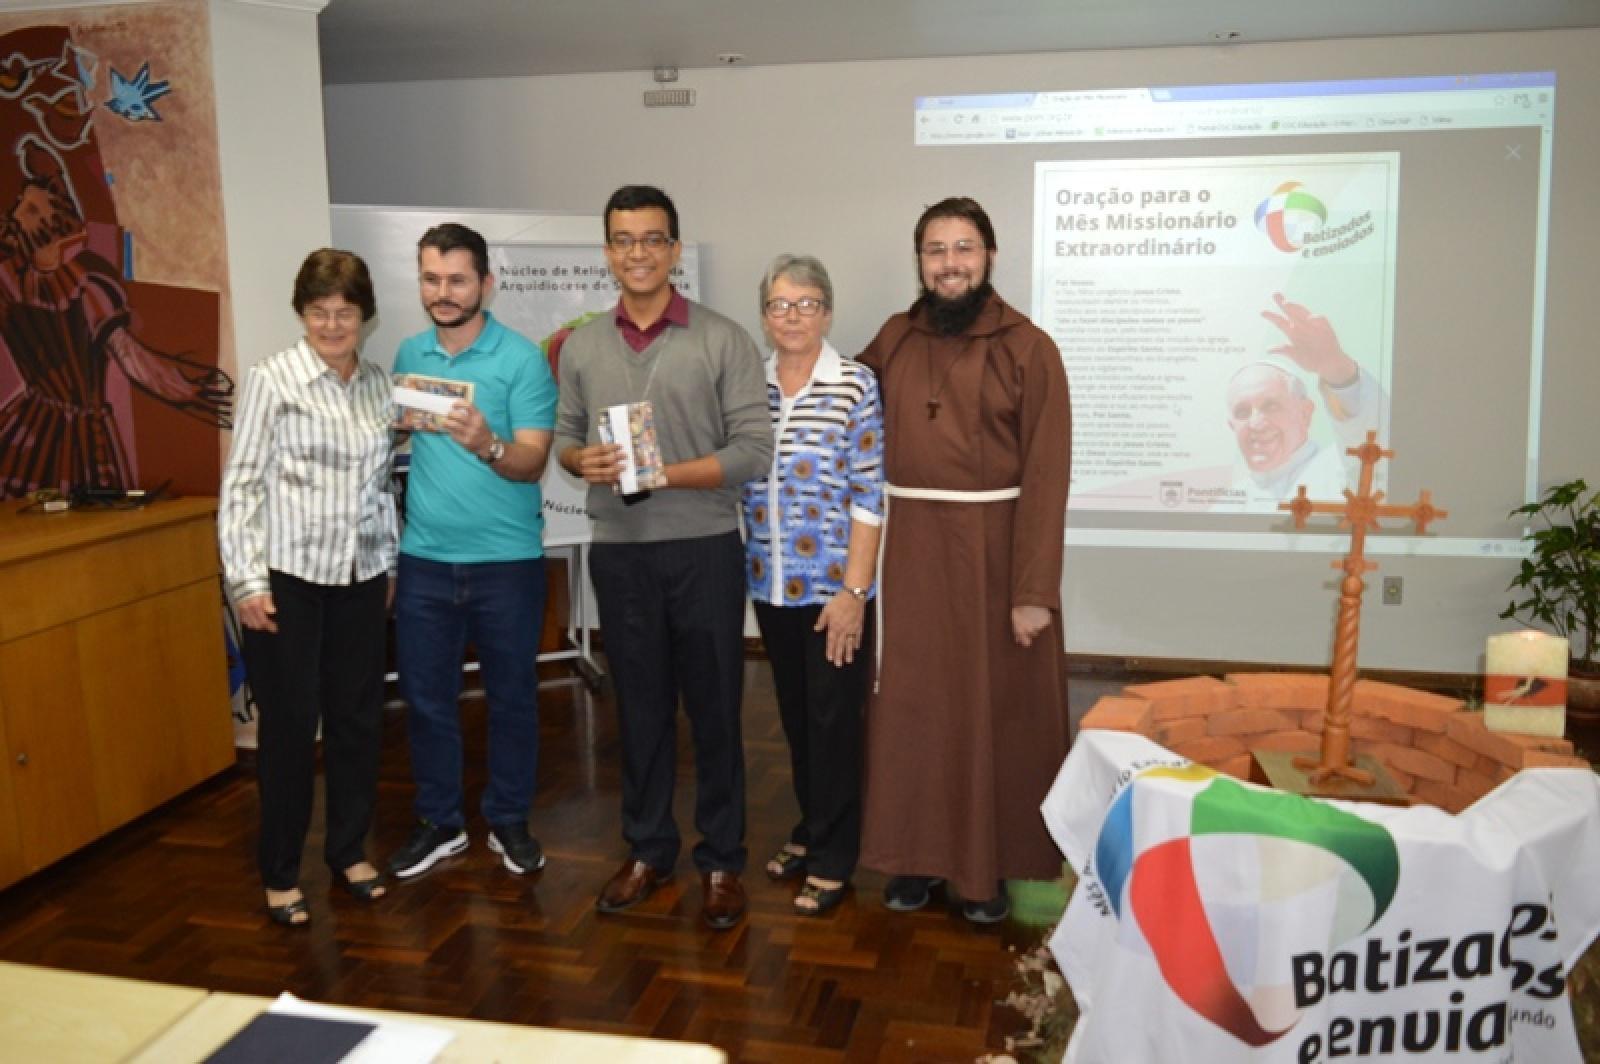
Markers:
827,470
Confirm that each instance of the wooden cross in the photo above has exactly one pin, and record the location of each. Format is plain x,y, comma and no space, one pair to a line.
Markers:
1359,512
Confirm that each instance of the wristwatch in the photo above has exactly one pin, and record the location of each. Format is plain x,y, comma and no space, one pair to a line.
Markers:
859,592
496,451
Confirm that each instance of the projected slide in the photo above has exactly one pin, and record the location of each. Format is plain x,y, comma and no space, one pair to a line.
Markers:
1226,323
1244,279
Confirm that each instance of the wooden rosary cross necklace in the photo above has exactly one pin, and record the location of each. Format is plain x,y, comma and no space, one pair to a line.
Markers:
933,397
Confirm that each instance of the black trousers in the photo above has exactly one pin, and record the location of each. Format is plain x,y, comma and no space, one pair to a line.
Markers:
820,705
324,663
672,614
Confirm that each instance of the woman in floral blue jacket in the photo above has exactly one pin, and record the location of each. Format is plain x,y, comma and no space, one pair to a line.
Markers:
811,541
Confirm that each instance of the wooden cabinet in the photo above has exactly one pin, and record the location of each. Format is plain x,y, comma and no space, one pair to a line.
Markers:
113,681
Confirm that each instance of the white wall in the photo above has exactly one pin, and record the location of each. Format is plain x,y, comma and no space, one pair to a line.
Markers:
274,171
819,158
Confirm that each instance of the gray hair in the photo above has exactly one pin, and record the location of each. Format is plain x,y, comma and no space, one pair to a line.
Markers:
803,270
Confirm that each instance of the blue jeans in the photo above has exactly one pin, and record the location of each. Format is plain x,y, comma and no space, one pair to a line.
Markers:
499,607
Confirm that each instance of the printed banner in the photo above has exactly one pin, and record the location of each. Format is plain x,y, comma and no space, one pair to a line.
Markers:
544,291
1226,323
1216,922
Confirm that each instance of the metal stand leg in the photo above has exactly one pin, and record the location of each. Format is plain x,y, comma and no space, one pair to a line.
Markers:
580,649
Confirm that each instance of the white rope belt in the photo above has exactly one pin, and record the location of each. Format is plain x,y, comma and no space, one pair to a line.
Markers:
894,491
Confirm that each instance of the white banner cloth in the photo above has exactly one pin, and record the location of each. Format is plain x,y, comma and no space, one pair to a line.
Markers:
1216,922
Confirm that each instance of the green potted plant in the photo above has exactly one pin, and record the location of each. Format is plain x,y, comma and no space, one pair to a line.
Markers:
1558,584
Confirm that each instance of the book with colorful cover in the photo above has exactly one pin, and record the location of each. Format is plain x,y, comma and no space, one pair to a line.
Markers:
633,425
421,402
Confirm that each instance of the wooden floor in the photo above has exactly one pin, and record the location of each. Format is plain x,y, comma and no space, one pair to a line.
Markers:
174,897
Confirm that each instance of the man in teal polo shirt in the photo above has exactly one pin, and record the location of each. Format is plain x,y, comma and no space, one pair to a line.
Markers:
472,557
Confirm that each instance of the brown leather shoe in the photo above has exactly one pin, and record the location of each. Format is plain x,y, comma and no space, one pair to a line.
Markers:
724,905
634,882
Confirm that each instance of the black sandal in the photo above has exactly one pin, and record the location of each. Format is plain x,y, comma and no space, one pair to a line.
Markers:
786,864
370,889
821,899
287,914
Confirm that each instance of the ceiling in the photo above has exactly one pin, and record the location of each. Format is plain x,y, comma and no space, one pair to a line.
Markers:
421,40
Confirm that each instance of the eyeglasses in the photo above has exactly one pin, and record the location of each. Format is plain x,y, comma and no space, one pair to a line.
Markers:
343,316
960,249
806,308
625,242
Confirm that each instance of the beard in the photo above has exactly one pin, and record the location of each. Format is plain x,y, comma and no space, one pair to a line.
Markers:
448,315
951,317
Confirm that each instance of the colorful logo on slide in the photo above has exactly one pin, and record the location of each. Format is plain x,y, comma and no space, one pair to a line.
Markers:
1288,214
1222,883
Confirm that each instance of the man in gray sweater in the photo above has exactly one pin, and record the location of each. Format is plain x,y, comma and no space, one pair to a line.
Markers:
667,564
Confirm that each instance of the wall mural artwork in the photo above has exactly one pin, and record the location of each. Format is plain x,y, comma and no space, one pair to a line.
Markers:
105,380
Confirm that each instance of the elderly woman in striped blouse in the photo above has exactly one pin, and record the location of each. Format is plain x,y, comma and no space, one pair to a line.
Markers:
812,544
309,540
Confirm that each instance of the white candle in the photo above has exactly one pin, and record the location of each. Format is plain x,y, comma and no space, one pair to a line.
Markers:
1525,683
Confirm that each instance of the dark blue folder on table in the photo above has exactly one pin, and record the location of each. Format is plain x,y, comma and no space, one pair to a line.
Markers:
274,1037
